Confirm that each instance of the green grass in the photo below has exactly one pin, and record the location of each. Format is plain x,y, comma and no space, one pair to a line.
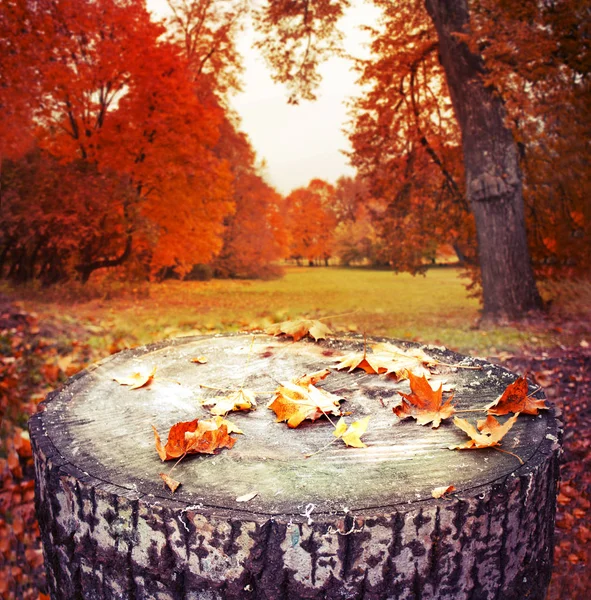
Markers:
432,309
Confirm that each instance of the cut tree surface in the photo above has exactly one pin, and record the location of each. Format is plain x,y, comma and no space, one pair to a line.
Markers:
343,523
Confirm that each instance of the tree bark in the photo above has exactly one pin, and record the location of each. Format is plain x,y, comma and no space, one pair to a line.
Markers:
493,173
345,523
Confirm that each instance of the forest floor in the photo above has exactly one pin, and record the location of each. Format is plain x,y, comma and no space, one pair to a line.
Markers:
47,337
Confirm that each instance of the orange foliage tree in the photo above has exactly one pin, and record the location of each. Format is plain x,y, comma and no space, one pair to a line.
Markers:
449,49
121,103
206,32
311,221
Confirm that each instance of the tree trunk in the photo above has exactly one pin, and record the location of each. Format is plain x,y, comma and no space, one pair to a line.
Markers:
344,523
493,174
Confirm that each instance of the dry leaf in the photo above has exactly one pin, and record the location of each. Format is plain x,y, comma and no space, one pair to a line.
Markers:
299,399
299,329
247,497
405,361
312,378
200,360
515,399
424,403
238,400
140,378
231,427
351,435
173,484
371,363
194,437
490,432
439,492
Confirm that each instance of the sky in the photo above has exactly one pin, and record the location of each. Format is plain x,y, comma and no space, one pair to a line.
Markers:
303,142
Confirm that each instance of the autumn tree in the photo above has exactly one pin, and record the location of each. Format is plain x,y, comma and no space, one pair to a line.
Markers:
310,221
206,30
490,156
118,97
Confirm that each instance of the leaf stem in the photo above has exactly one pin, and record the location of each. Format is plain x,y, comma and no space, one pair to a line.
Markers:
507,452
338,316
322,449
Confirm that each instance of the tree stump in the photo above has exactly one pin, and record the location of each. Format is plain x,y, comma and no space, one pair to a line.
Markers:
346,523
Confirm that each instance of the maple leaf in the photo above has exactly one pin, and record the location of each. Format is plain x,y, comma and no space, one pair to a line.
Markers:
371,363
489,433
405,361
424,403
515,399
238,400
140,378
193,437
299,329
300,399
351,435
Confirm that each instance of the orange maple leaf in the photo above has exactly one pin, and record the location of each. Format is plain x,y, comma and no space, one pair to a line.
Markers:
194,437
515,399
489,433
299,329
300,399
424,403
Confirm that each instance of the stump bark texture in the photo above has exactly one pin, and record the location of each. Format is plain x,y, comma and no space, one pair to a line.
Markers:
346,523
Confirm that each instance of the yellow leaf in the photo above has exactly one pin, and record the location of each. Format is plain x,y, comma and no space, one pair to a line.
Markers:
340,429
239,400
490,432
140,378
352,436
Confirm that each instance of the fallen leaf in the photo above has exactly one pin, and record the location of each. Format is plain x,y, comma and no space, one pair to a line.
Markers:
232,428
200,360
299,399
424,403
238,400
405,361
351,435
194,437
299,329
247,497
439,492
371,363
490,432
140,378
515,399
173,484
312,378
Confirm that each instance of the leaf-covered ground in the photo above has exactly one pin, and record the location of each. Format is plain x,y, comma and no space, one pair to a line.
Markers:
39,350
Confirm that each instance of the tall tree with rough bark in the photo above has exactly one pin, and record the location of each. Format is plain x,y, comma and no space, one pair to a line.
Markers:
300,33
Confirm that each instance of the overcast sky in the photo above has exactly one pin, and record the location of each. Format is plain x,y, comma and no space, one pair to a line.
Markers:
297,143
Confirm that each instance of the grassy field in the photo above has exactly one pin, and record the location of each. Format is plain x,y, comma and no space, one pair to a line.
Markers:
432,309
